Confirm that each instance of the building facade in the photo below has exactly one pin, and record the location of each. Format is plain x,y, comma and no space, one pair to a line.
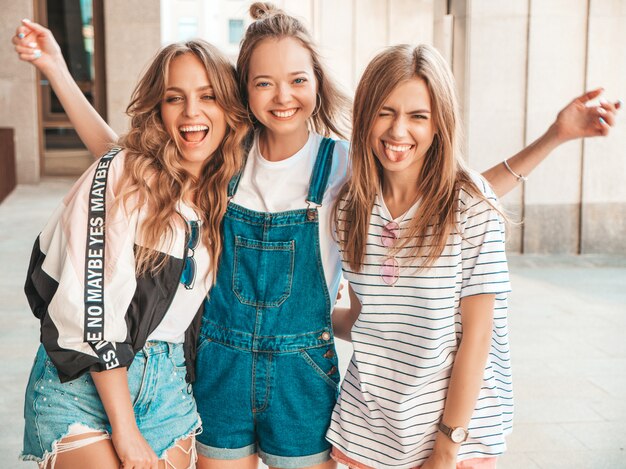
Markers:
516,62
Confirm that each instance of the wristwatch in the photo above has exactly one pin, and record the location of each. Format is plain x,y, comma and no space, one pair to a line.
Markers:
456,434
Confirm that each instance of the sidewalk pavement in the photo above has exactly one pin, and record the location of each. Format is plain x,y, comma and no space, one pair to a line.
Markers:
567,326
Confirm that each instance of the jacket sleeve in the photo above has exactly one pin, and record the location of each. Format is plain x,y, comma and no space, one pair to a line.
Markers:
81,276
190,345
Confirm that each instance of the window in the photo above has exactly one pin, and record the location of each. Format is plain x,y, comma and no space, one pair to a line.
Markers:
235,31
187,28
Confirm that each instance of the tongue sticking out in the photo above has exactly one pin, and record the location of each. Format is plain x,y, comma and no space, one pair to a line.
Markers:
194,136
395,156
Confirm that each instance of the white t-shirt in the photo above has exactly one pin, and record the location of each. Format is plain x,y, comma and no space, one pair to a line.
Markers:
406,339
278,186
186,302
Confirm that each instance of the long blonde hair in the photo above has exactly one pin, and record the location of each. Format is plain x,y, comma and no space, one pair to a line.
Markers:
333,106
443,172
153,173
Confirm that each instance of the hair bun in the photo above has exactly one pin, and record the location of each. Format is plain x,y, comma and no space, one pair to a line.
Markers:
260,10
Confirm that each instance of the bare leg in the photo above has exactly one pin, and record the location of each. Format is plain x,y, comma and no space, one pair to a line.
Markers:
95,455
249,462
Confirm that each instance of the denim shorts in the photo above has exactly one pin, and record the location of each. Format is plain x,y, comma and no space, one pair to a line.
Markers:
274,404
165,410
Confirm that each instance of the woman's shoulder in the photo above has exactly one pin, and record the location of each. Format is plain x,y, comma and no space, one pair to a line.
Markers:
341,151
341,147
475,188
98,176
341,163
476,196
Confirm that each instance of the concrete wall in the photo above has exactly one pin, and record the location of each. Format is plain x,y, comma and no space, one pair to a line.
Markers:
489,64
349,33
604,160
18,93
556,74
517,63
132,37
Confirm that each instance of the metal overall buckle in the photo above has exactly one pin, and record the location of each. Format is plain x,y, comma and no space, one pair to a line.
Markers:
311,210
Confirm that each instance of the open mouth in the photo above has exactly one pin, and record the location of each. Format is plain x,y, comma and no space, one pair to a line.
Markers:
396,152
286,114
193,133
399,148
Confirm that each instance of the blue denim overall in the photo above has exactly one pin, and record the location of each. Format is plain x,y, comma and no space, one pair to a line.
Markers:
267,376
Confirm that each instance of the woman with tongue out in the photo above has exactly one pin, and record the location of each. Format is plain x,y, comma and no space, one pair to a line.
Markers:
267,375
119,275
429,383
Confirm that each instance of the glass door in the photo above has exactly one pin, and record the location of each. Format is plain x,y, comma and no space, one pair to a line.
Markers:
77,26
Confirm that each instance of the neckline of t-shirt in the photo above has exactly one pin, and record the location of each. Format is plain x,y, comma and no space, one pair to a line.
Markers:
289,161
386,214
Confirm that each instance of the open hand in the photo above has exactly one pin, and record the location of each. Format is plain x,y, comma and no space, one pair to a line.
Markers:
578,119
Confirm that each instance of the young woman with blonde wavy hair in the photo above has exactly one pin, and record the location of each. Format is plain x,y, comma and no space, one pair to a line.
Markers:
119,274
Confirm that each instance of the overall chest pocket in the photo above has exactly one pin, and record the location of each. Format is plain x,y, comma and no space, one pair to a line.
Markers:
263,271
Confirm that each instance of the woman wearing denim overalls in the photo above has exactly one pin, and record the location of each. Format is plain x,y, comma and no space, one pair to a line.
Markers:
267,376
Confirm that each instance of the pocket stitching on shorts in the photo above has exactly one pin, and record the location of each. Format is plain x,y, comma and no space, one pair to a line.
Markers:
182,367
327,379
204,341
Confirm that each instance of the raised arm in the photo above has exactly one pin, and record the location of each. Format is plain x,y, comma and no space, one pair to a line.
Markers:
576,120
36,44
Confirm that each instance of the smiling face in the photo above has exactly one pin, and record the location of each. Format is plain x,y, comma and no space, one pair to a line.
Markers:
403,130
190,113
282,89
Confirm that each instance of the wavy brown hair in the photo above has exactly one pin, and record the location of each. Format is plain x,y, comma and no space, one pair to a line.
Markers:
270,22
442,175
153,173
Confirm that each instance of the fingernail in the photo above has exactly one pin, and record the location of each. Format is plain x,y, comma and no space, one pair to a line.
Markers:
32,45
37,54
26,20
602,121
619,103
21,35
601,110
603,101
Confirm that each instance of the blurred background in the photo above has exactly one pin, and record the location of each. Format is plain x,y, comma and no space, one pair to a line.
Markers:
516,62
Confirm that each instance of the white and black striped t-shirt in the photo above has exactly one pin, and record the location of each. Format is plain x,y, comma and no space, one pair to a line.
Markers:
406,338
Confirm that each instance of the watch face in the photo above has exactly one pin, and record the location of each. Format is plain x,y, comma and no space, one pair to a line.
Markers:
458,435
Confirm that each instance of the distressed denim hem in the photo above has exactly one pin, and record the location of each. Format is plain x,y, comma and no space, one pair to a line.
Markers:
195,430
47,454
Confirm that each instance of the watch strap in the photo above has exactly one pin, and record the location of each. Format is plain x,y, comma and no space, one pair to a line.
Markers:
446,430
